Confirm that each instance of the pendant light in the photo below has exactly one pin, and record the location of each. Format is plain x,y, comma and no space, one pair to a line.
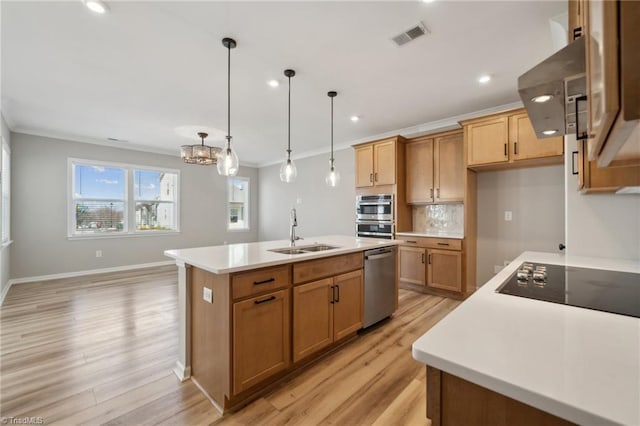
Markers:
227,159
288,170
201,154
333,176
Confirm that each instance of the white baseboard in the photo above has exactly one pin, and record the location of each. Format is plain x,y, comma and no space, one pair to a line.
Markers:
87,272
4,292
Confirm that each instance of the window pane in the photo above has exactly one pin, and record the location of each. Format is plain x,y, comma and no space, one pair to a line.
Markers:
99,217
97,182
155,185
155,216
238,207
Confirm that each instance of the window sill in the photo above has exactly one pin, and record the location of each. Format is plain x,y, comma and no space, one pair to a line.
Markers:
5,244
123,235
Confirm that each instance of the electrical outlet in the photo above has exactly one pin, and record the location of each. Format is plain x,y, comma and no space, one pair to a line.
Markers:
508,215
98,253
207,295
299,200
497,268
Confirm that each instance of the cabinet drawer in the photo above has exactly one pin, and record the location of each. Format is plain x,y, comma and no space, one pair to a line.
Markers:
326,267
437,243
254,282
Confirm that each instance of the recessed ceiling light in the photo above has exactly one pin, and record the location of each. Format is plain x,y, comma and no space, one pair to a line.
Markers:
428,1
355,118
97,6
549,132
273,83
542,98
484,79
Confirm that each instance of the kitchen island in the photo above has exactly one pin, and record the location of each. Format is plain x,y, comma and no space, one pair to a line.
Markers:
249,314
501,359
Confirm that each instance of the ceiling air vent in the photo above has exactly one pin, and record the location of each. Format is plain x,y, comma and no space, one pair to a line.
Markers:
411,34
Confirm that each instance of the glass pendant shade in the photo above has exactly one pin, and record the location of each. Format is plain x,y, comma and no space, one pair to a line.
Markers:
332,179
227,162
288,171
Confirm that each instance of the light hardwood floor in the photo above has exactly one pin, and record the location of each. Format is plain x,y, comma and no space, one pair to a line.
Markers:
100,350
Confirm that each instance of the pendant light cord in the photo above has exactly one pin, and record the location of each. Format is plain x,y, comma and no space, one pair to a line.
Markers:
289,124
229,96
331,132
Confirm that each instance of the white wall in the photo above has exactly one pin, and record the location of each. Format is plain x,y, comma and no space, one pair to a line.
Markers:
323,210
535,196
600,225
5,252
39,209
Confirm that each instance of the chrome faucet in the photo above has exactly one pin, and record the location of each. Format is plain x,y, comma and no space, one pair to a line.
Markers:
293,222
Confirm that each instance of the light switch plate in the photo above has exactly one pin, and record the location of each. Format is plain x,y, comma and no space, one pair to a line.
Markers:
508,216
207,295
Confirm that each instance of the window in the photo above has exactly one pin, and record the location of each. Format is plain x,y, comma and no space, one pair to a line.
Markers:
120,199
5,176
238,210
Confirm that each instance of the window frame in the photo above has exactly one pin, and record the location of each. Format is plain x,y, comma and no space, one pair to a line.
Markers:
130,229
247,203
5,177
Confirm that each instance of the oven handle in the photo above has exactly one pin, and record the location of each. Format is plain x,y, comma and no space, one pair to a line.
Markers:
376,234
374,222
386,203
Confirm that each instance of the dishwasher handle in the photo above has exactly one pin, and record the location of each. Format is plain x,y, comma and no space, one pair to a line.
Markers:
382,255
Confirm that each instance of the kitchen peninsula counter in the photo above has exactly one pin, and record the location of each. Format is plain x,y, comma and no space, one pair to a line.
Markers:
578,364
249,316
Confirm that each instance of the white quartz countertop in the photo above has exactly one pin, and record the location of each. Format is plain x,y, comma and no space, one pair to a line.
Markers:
241,257
579,364
439,234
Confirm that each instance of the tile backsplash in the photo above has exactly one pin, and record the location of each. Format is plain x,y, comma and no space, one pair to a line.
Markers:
439,218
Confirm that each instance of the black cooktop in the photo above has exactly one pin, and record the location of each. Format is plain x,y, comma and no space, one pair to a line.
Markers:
608,291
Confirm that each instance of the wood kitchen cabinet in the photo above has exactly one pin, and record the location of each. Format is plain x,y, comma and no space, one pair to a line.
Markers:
434,169
432,264
261,345
326,311
507,140
376,163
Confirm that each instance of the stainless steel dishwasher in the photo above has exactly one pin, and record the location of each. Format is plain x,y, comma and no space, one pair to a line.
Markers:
379,284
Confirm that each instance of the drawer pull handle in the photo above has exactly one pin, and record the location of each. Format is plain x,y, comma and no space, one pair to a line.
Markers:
443,244
270,280
268,299
412,242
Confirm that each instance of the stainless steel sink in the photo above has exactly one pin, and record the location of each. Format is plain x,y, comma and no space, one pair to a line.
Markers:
303,249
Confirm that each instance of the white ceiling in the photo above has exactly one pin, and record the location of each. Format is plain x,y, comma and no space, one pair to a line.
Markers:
148,68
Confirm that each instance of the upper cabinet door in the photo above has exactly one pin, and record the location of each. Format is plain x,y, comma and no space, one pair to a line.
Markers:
364,166
384,157
449,168
487,141
602,71
526,145
419,169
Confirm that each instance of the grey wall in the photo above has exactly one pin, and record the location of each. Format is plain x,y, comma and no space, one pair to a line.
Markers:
536,198
323,210
5,253
39,209
600,225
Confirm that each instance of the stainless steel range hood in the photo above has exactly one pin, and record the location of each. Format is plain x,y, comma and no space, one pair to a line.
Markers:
563,77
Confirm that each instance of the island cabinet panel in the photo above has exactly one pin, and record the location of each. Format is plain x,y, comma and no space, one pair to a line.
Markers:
326,267
444,269
487,141
453,401
412,265
348,304
312,318
260,281
261,344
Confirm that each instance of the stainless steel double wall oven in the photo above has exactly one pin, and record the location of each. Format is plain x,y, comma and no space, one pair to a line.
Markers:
375,216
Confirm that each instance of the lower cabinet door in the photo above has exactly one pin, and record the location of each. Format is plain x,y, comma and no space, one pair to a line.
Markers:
347,307
312,317
412,265
261,342
445,269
